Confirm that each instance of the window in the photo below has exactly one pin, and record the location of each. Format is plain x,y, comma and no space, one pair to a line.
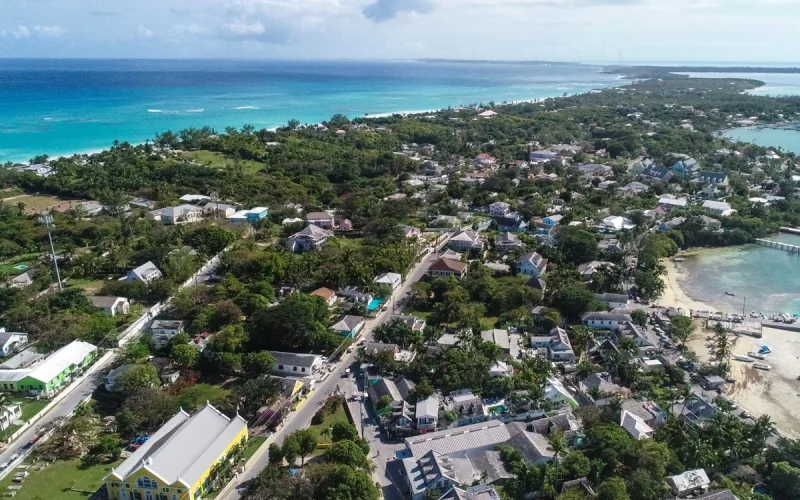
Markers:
280,367
294,368
148,495
304,369
136,495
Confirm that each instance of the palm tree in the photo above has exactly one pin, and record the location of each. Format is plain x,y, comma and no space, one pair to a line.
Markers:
615,406
581,337
763,429
21,208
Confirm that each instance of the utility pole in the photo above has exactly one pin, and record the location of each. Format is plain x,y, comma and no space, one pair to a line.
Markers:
744,303
47,220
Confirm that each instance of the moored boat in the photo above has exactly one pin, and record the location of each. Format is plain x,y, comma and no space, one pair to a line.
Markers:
743,358
755,355
762,366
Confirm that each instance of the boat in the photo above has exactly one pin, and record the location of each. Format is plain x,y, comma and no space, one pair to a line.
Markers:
756,355
678,259
730,294
744,358
762,366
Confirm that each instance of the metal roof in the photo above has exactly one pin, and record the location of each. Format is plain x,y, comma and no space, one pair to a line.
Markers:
448,441
71,354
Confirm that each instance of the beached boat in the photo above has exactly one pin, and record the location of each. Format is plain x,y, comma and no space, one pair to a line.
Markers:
756,355
678,259
762,366
743,358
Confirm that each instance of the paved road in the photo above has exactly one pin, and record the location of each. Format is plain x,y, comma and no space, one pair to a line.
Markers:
84,389
302,417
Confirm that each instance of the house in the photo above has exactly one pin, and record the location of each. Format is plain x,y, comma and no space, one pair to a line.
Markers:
690,482
606,185
447,267
111,305
599,389
718,207
465,241
23,280
485,160
507,242
162,331
718,495
513,223
400,355
595,170
23,359
710,223
696,410
467,407
557,394
531,264
477,492
145,273
559,348
588,269
552,220
610,246
604,320
499,209
613,300
349,326
711,382
328,295
10,414
398,415
201,342
11,342
718,179
671,224
322,220
343,224
488,114
671,201
175,215
618,223
498,337
634,188
309,238
648,411
426,414
635,426
411,321
142,203
302,365
111,379
159,469
656,174
501,369
410,231
219,210
45,377
448,340
392,280
688,168
252,215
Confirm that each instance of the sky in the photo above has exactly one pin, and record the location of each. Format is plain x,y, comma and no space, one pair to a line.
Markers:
607,31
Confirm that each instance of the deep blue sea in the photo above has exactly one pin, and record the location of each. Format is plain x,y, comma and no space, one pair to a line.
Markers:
58,107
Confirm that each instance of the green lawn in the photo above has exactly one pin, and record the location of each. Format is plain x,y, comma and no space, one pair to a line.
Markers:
423,315
253,444
10,265
196,396
88,285
31,407
57,480
337,416
219,160
354,243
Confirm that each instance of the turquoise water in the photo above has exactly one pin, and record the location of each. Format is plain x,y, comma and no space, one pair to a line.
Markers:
777,84
374,304
787,139
769,279
66,106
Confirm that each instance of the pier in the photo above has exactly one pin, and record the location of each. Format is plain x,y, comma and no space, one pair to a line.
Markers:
786,247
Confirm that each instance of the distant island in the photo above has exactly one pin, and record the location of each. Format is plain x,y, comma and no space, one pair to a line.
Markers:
673,71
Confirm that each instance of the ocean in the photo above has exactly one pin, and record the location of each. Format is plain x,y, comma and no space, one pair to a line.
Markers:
59,107
768,279
786,138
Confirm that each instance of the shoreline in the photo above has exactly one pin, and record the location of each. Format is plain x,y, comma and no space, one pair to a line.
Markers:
675,295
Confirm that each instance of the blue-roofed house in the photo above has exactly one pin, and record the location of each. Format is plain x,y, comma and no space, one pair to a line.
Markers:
513,223
657,174
688,168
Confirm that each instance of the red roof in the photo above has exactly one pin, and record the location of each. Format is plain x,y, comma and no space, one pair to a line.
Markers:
445,264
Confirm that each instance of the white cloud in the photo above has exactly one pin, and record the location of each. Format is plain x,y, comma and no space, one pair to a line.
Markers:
246,29
21,32
145,32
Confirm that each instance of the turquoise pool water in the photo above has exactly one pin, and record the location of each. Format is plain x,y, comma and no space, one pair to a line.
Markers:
374,304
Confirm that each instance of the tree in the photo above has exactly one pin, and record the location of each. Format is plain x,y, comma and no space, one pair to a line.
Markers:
577,245
384,402
648,283
307,441
290,449
135,352
231,338
229,363
639,317
348,453
341,482
785,481
210,240
342,431
275,454
185,355
127,424
682,327
258,363
613,489
573,300
138,377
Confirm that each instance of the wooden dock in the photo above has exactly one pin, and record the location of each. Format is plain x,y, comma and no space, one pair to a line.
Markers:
786,247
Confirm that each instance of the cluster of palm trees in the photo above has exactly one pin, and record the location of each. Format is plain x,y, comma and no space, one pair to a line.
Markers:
722,347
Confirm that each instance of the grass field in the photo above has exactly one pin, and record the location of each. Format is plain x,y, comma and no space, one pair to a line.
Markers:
36,203
252,446
57,480
219,160
196,396
338,416
86,284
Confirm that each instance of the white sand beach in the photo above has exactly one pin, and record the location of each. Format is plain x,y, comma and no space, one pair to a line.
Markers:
775,392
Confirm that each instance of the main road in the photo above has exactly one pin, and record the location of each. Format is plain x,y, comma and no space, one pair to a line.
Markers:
302,417
85,388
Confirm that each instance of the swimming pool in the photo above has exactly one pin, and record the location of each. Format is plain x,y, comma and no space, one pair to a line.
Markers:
374,304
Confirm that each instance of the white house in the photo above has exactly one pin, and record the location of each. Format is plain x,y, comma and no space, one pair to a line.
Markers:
145,273
635,425
499,209
690,482
531,264
618,223
174,215
555,391
11,342
465,241
604,320
613,300
9,415
111,305
427,414
588,269
394,280
718,207
501,369
289,363
320,219
111,379
163,330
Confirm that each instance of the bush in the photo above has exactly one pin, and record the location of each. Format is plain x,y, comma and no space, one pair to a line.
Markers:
320,416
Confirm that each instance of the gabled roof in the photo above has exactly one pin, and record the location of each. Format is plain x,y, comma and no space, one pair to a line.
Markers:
718,495
605,316
145,269
348,323
295,359
533,259
428,407
185,447
319,216
464,438
71,354
6,336
312,231
104,302
444,264
325,293
635,426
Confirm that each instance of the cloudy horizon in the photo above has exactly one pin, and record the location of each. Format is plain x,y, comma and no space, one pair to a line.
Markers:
592,31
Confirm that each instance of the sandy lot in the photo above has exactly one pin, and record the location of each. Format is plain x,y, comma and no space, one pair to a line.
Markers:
36,203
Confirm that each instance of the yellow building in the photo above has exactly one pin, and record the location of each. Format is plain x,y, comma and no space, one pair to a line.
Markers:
175,463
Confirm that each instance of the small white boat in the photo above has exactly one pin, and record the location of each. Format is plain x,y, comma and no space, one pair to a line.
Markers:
756,355
743,358
678,259
762,366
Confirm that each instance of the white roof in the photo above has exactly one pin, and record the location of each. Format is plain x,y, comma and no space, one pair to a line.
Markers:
635,425
192,198
428,407
499,337
716,205
70,354
480,435
671,200
690,480
389,278
185,447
